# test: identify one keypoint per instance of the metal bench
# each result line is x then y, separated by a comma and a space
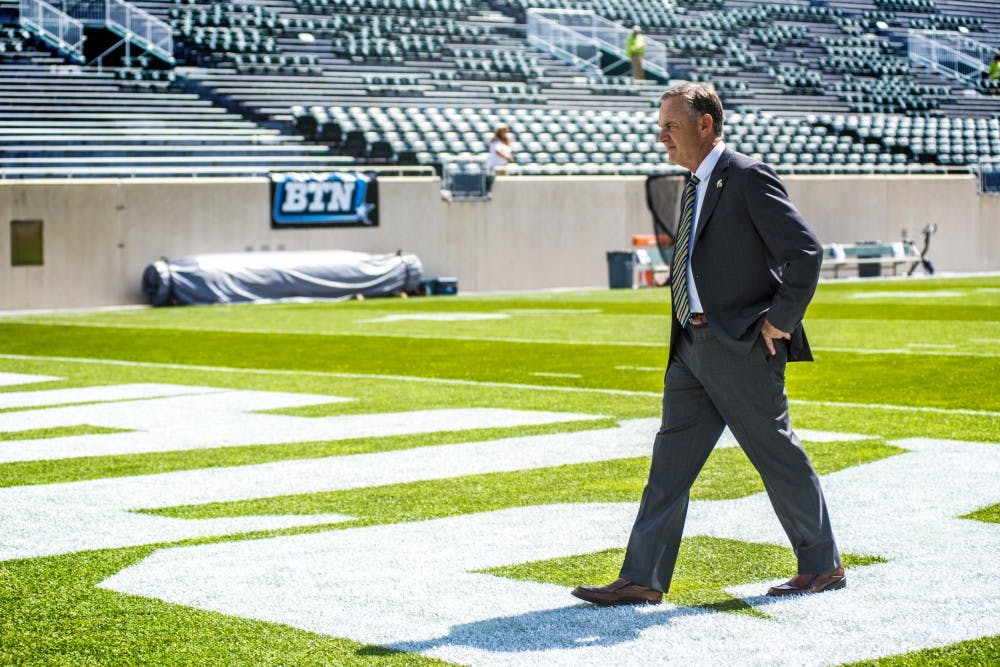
868, 257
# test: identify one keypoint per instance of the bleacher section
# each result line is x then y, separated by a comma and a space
311, 83
57, 120
562, 141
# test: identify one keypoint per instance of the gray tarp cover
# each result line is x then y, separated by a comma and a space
268, 276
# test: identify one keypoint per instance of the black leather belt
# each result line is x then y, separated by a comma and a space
698, 319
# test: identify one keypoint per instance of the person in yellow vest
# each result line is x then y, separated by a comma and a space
635, 48
994, 71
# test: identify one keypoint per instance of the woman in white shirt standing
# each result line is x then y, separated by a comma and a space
500, 154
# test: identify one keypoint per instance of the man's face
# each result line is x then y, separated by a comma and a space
680, 134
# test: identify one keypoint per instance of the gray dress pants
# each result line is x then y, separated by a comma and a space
707, 387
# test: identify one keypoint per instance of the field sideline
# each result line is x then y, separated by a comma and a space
420, 481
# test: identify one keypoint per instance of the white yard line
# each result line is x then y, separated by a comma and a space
910, 294
434, 317
18, 314
898, 408
367, 332
15, 379
352, 376
905, 351
474, 383
554, 311
932, 349
97, 394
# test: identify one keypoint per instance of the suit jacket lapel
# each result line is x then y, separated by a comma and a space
715, 185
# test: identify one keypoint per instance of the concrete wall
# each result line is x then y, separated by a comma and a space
535, 233
845, 209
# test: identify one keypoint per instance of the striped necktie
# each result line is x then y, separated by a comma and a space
678, 273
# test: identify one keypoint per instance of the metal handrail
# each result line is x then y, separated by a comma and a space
953, 55
150, 32
130, 22
578, 36
54, 26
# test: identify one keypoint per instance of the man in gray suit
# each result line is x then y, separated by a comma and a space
745, 267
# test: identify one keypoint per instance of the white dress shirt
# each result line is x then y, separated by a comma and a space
704, 174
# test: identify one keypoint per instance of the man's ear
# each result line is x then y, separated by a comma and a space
706, 123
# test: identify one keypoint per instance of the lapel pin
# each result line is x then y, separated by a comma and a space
718, 183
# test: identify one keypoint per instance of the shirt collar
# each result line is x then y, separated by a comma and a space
707, 165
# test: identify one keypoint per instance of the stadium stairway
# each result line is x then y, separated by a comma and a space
343, 82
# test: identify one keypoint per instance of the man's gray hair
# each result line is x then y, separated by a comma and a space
701, 99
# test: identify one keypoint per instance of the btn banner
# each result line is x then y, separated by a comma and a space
339, 199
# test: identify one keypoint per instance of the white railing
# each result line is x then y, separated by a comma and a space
149, 32
54, 26
579, 36
949, 53
135, 25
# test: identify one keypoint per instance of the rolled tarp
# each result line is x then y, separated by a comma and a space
275, 276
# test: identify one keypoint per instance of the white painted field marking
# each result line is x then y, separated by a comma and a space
661, 344
326, 374
33, 313
474, 383
898, 408
14, 379
943, 346
431, 602
905, 351
203, 417
102, 394
910, 294
439, 317
649, 369
60, 518
347, 331
553, 311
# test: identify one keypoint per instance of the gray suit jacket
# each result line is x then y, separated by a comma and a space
753, 256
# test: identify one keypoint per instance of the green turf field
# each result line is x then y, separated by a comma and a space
895, 360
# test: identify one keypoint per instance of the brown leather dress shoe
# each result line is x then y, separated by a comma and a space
810, 583
618, 592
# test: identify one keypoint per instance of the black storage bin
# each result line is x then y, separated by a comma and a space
869, 269
620, 268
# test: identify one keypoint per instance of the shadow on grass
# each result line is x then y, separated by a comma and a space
566, 627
